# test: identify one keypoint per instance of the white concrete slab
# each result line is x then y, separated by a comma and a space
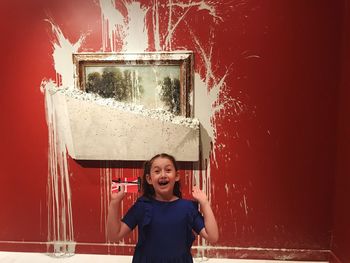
97, 132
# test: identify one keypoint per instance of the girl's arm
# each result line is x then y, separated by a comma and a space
210, 232
116, 229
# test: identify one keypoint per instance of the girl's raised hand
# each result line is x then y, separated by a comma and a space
118, 196
199, 196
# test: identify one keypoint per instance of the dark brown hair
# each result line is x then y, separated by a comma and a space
147, 189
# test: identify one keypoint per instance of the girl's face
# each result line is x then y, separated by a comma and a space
163, 177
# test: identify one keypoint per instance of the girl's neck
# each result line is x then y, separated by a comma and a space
165, 198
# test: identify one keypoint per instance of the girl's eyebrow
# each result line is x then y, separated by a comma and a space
158, 167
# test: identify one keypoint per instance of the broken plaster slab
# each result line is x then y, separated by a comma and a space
92, 131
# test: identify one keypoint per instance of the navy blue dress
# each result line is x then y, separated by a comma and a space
165, 229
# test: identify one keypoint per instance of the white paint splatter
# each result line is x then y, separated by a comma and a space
171, 29
245, 205
207, 94
113, 24
201, 5
226, 189
136, 26
62, 56
155, 20
204, 101
127, 33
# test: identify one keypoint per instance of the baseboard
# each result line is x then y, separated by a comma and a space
198, 251
333, 258
263, 253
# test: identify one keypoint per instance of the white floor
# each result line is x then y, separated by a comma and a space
21, 257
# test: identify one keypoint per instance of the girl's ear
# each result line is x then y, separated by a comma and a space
148, 179
177, 176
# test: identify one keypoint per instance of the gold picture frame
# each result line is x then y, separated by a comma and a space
152, 79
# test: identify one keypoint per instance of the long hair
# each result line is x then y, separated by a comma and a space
147, 189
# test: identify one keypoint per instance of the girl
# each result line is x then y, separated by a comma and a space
165, 221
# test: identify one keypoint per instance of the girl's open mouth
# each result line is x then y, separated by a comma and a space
163, 182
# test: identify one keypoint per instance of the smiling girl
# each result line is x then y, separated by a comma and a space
165, 221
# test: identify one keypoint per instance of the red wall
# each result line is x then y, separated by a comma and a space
276, 159
341, 229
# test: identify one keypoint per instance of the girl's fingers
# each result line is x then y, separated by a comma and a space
195, 189
118, 191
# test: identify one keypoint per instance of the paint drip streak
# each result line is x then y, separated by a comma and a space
105, 190
60, 217
155, 20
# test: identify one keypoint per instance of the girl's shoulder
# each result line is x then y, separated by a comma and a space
141, 204
188, 201
191, 205
142, 201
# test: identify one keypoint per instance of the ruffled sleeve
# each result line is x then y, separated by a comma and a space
132, 216
197, 218
146, 218
195, 222
140, 214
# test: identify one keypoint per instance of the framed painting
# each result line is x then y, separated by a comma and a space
156, 80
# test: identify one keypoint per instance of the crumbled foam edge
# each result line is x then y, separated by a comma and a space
160, 114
